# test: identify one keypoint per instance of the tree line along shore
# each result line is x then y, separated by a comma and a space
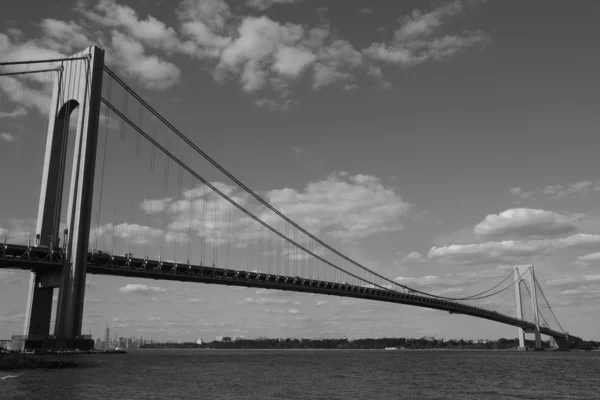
380, 343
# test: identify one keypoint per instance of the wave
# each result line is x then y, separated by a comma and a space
10, 376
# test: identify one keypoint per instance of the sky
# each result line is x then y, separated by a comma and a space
439, 143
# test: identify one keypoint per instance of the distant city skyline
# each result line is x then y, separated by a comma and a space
440, 144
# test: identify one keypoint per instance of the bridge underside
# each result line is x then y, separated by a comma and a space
41, 259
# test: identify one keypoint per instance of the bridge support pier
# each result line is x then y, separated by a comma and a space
79, 84
561, 344
523, 275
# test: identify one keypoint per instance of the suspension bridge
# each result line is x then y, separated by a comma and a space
145, 201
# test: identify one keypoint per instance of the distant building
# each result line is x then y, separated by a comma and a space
199, 342
224, 339
107, 338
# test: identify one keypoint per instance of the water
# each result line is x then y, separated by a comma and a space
314, 374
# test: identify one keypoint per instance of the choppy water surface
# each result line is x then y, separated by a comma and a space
315, 374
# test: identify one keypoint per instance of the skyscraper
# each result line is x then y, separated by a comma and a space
106, 338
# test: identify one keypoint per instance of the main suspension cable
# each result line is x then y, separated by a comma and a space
268, 205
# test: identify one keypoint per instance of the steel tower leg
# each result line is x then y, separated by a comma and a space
71, 298
39, 301
79, 85
520, 331
536, 311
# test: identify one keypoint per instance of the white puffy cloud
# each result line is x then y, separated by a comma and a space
508, 251
259, 52
414, 42
414, 256
347, 208
264, 46
489, 252
139, 288
150, 31
525, 223
124, 50
335, 61
64, 37
150, 71
132, 233
14, 48
206, 22
321, 303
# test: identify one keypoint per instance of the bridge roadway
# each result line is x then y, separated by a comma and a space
44, 259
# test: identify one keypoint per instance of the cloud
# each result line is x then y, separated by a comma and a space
525, 223
576, 290
346, 208
321, 303
125, 50
266, 300
414, 42
508, 251
150, 71
64, 37
90, 284
414, 256
18, 112
150, 31
135, 233
193, 300
442, 286
299, 151
260, 53
589, 259
334, 62
139, 288
274, 105
558, 192
264, 47
364, 11
18, 230
206, 24
7, 137
264, 4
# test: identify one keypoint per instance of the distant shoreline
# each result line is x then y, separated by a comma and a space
349, 349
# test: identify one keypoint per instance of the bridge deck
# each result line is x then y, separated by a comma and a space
43, 259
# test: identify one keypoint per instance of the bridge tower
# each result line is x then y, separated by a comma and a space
526, 275
78, 84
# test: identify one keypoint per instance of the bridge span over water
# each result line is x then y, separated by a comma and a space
39, 259
183, 209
